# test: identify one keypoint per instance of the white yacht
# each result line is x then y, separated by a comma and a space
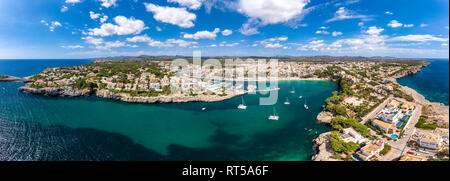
306, 106
287, 101
274, 116
242, 106
204, 109
292, 91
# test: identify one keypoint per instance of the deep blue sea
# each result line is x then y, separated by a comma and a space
36, 127
432, 82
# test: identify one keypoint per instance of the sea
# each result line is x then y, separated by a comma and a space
432, 82
40, 128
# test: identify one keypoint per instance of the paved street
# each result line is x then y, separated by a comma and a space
399, 147
374, 112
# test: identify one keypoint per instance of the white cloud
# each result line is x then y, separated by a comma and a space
388, 13
154, 43
125, 26
181, 43
373, 30
143, 38
418, 38
92, 40
203, 35
323, 27
423, 25
64, 9
104, 19
93, 15
191, 4
175, 16
72, 46
446, 27
225, 44
275, 45
250, 27
73, 1
227, 32
336, 33
444, 44
213, 45
394, 24
52, 25
343, 14
408, 25
264, 12
108, 3
272, 11
322, 32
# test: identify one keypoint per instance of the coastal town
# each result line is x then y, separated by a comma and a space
373, 117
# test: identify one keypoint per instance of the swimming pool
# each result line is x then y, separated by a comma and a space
394, 136
410, 112
399, 123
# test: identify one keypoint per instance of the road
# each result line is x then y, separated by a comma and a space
374, 112
399, 147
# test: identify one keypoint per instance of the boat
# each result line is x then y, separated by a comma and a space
274, 117
203, 109
287, 101
305, 105
300, 97
292, 91
242, 106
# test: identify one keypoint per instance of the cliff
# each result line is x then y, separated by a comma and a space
60, 91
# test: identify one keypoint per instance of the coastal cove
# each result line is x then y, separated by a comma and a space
92, 128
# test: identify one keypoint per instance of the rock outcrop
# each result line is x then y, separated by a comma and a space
324, 117
323, 146
60, 91
163, 98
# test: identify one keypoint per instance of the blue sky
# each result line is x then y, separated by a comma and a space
99, 28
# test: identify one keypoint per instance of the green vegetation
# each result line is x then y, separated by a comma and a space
386, 149
3, 76
400, 94
340, 123
339, 145
422, 123
34, 86
372, 83
81, 84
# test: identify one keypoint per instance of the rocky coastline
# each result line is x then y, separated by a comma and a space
15, 79
60, 91
162, 99
324, 152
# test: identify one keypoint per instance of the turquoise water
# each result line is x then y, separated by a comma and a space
48, 128
394, 136
432, 82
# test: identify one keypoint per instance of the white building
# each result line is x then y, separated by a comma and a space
351, 135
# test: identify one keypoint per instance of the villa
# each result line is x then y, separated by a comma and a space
351, 135
370, 150
383, 126
428, 139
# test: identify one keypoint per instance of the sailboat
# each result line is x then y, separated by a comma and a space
292, 91
204, 109
274, 117
306, 106
287, 101
300, 97
242, 106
